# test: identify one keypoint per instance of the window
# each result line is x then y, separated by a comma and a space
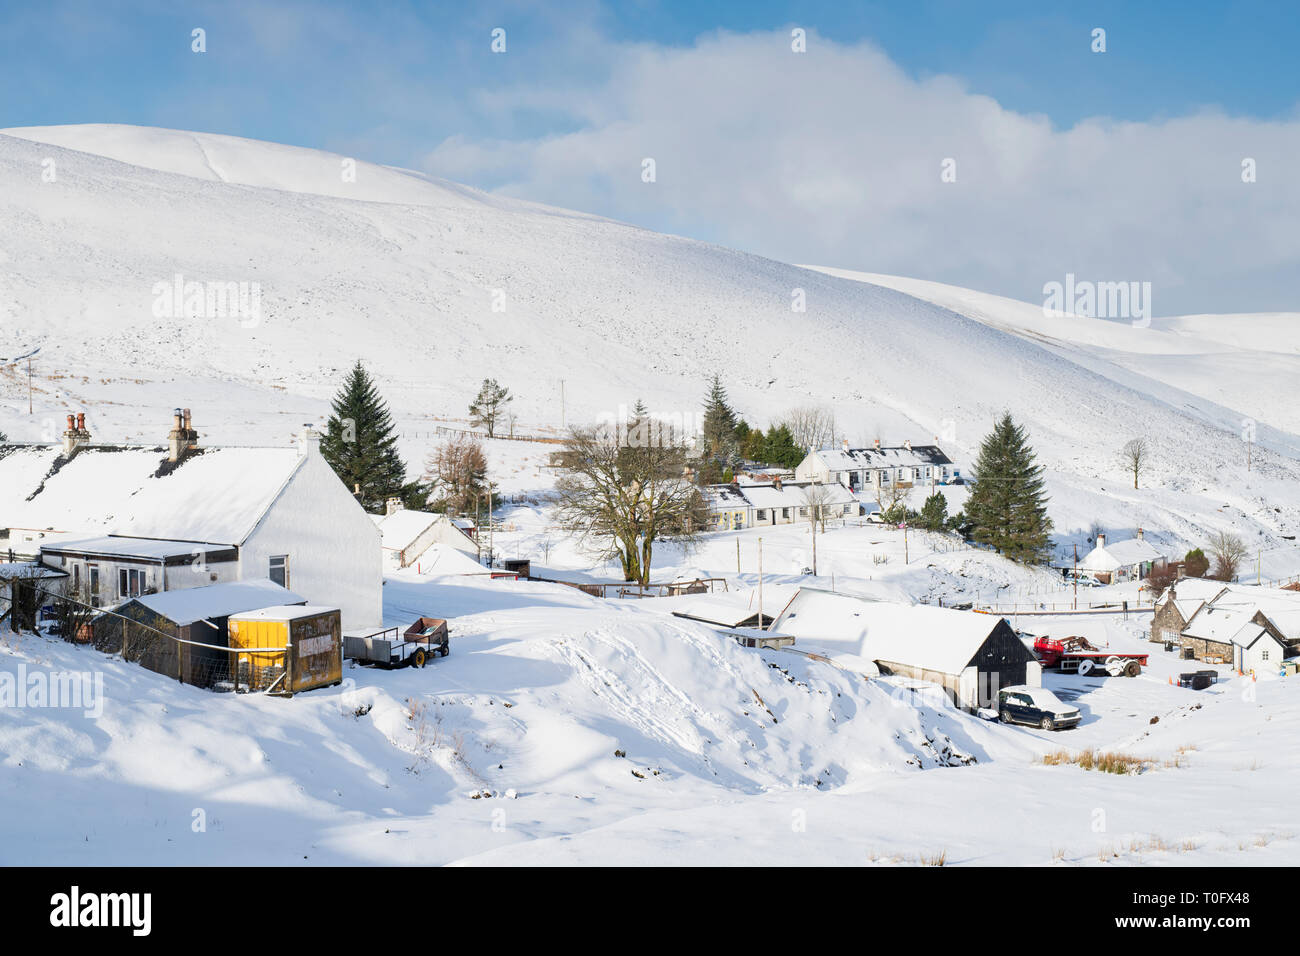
131, 582
279, 570
785, 512
762, 514
803, 512
92, 572
1263, 655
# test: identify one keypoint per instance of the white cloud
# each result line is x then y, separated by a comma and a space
834, 156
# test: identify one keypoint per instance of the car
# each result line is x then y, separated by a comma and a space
1035, 705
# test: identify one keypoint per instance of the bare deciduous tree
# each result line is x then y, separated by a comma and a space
624, 498
811, 426
891, 496
819, 498
457, 473
1228, 551
1135, 455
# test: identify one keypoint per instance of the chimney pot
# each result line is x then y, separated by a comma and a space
876, 443
1139, 534
81, 421
72, 425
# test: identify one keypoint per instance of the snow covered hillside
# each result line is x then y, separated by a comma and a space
436, 286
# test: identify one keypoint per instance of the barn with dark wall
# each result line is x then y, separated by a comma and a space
970, 655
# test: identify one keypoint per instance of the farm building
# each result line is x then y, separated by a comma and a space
311, 638
1177, 604
1220, 625
867, 469
969, 655
282, 511
406, 535
199, 615
1128, 560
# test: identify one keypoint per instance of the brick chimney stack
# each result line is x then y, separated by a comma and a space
1139, 534
76, 435
182, 438
875, 443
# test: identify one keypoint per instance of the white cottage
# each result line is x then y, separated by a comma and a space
182, 515
1129, 560
868, 469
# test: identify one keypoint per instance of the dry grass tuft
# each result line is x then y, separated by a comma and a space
1104, 760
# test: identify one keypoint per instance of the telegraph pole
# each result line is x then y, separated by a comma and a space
1076, 576
760, 584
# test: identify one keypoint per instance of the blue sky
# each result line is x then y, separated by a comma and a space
416, 84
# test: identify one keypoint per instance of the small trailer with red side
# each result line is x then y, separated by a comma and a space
1078, 655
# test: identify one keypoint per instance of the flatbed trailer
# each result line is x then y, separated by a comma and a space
415, 646
1077, 655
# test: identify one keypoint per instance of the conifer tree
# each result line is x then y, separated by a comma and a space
360, 445
934, 513
719, 425
489, 406
1008, 507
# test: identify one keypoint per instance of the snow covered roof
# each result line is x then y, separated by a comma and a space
401, 528
214, 495
125, 547
853, 459
917, 635
796, 494
726, 496
1218, 623
284, 612
1119, 554
28, 569
1281, 607
729, 610
188, 605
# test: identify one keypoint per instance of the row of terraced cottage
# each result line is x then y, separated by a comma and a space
202, 543
1248, 627
834, 482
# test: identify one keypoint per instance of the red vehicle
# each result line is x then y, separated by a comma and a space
1078, 654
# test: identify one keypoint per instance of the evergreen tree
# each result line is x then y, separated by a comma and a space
934, 513
1008, 507
489, 406
780, 448
719, 425
1196, 564
360, 445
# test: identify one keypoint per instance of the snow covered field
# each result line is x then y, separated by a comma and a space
565, 729
568, 729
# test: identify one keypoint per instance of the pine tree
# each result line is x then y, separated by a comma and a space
934, 513
1008, 507
780, 448
489, 405
360, 445
719, 425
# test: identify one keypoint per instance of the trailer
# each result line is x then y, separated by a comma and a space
415, 646
1079, 655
